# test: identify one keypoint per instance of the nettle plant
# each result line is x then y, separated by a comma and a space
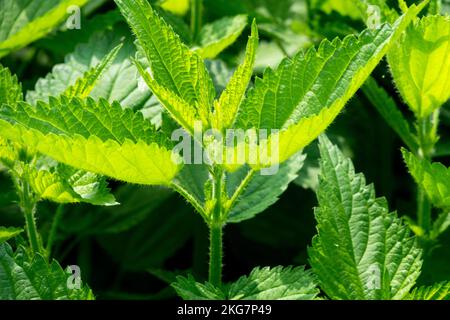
63, 146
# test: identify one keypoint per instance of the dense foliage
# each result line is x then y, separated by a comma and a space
210, 149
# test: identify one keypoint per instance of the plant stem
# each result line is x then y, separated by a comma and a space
196, 17
427, 134
28, 207
216, 232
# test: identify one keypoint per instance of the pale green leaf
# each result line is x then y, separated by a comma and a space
9, 233
26, 278
433, 178
219, 35
440, 225
64, 184
438, 291
24, 21
174, 66
10, 88
305, 94
179, 7
361, 251
279, 283
118, 83
225, 109
388, 109
420, 64
93, 136
189, 289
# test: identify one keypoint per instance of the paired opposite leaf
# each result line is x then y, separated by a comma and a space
420, 64
189, 289
175, 68
305, 94
24, 21
361, 251
93, 136
433, 178
25, 278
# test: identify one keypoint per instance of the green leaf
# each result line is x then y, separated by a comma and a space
93, 136
84, 85
433, 178
189, 289
63, 184
118, 83
225, 109
174, 66
388, 109
261, 191
420, 64
361, 251
179, 7
219, 35
24, 21
9, 233
440, 225
25, 278
10, 88
279, 283
438, 291
305, 94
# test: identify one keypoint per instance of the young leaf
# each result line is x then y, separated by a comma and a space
118, 83
24, 21
305, 94
420, 64
361, 251
64, 184
179, 7
277, 283
84, 85
10, 88
173, 65
438, 291
433, 178
388, 109
93, 136
189, 289
217, 36
225, 109
25, 278
8, 233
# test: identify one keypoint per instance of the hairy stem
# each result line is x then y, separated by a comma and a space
196, 17
28, 207
427, 136
216, 232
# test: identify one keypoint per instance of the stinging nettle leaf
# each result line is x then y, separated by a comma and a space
24, 21
279, 283
219, 35
189, 289
93, 136
174, 66
361, 251
420, 64
25, 278
438, 291
433, 178
305, 94
10, 88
